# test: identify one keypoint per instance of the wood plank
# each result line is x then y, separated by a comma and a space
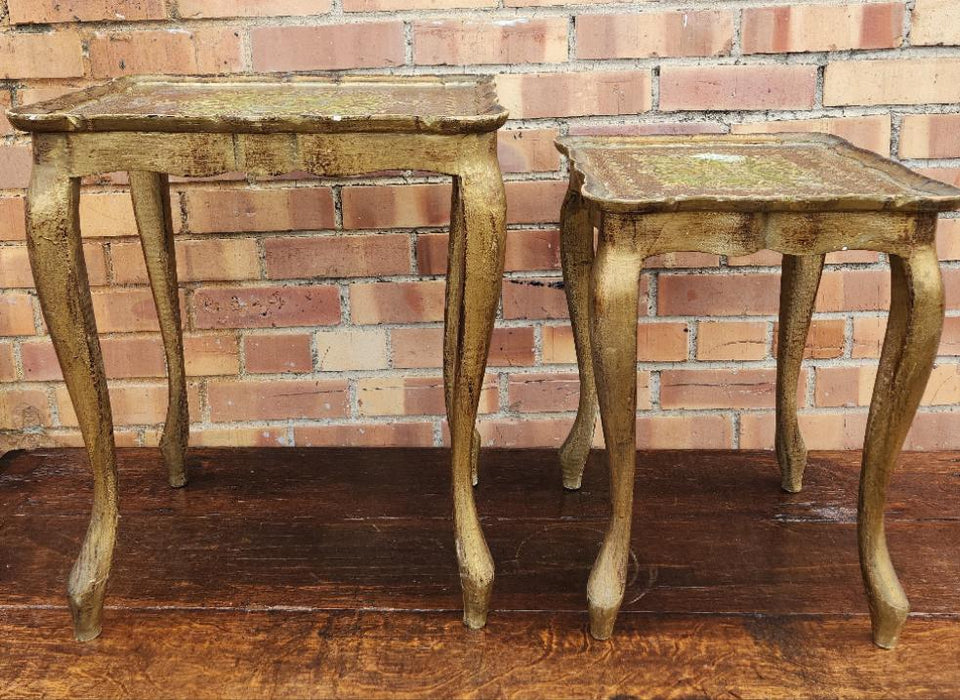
339, 483
350, 654
247, 533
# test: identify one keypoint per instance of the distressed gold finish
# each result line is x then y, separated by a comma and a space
801, 195
153, 127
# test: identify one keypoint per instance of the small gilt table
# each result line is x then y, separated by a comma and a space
800, 195
156, 126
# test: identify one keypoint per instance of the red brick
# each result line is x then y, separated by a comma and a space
396, 302
534, 201
892, 81
462, 42
731, 340
871, 132
406, 396
332, 47
396, 206
930, 136
825, 339
5, 126
552, 393
8, 366
217, 259
106, 215
656, 342
534, 95
948, 239
14, 267
16, 314
266, 307
934, 431
352, 349
534, 298
718, 295
423, 347
127, 357
40, 55
737, 87
854, 290
13, 226
39, 12
246, 210
935, 22
658, 127
717, 388
136, 404
279, 399
394, 5
696, 432
523, 432
526, 250
176, 51
527, 150
365, 435
821, 431
641, 35
239, 437
15, 164
844, 386
23, 408
337, 256
196, 9
822, 27
274, 354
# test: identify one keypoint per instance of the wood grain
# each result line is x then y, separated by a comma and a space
330, 573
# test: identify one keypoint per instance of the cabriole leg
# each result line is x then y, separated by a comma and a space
909, 349
453, 308
484, 218
616, 279
56, 256
798, 293
151, 205
576, 255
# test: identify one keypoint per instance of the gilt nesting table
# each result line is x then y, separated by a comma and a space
800, 195
153, 127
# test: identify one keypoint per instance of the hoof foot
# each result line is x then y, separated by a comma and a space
87, 610
476, 603
602, 621
887, 624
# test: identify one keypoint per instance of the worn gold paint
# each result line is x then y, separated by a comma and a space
832, 197
153, 127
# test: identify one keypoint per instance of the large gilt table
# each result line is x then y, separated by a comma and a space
153, 127
800, 195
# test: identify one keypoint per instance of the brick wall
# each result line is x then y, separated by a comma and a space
313, 307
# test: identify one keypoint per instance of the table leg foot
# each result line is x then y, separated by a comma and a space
798, 293
576, 255
151, 205
60, 274
909, 349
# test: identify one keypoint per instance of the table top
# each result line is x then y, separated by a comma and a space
776, 172
273, 104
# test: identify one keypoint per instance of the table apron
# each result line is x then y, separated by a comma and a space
210, 154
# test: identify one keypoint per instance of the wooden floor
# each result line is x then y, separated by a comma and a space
331, 573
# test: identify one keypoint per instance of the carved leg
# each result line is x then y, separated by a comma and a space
798, 292
151, 206
453, 308
616, 279
484, 212
56, 256
909, 348
576, 254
